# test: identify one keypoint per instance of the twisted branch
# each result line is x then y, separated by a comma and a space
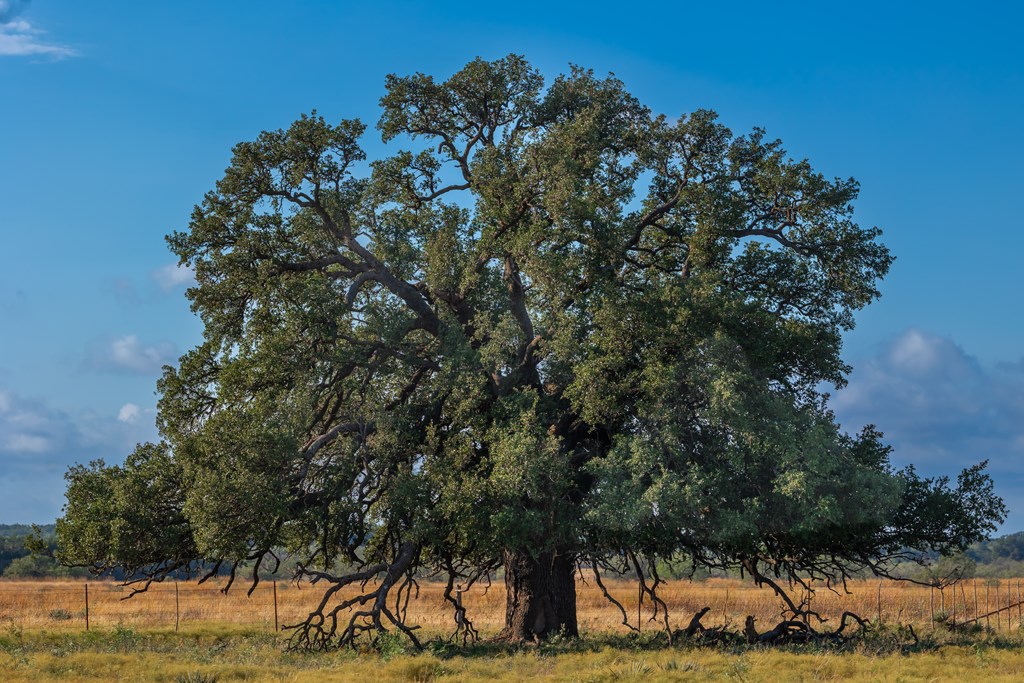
320, 630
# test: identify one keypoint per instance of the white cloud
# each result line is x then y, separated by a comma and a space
21, 39
915, 351
925, 388
129, 413
38, 443
18, 38
27, 443
127, 354
941, 410
172, 276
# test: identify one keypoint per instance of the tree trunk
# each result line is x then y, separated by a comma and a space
540, 598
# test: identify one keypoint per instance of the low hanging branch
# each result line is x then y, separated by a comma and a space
327, 627
464, 628
796, 611
651, 591
595, 565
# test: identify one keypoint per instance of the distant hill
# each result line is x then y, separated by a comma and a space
1009, 547
15, 530
1001, 557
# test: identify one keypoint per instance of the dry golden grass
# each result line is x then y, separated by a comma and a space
229, 637
61, 604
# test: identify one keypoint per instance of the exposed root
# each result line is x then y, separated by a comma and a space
340, 626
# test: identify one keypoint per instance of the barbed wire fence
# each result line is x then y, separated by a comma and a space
996, 604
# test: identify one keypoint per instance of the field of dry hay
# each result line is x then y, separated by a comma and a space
61, 604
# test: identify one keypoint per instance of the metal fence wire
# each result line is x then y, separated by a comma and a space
994, 603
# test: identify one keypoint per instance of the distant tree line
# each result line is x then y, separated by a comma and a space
996, 558
1001, 557
27, 552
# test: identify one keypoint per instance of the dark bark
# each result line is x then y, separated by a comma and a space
540, 596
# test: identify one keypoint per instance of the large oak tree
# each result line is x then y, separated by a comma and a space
552, 331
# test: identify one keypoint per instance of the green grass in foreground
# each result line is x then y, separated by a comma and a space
223, 654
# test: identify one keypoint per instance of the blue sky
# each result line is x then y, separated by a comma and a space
117, 116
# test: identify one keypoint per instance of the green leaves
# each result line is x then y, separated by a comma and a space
558, 323
127, 517
475, 102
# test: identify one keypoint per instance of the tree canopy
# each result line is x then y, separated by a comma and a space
551, 331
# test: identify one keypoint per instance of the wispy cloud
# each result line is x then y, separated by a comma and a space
29, 428
123, 290
18, 38
128, 354
172, 276
39, 442
27, 443
11, 9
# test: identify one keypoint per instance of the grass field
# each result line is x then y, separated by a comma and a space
61, 604
201, 655
230, 637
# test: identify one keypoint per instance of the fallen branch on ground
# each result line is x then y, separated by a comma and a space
785, 632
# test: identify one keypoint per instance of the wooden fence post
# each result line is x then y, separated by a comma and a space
931, 603
963, 596
86, 606
976, 613
177, 607
275, 606
988, 609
